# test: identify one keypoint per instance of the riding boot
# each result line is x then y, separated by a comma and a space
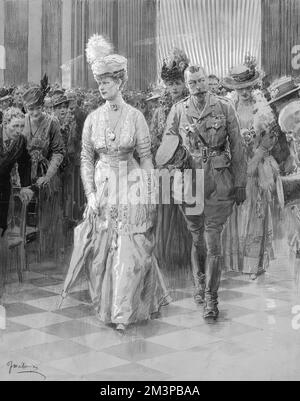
198, 268
213, 278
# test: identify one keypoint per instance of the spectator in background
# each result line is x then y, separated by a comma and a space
77, 111
152, 103
242, 80
5, 101
213, 84
283, 92
12, 150
172, 75
173, 243
18, 97
264, 190
60, 104
46, 148
68, 131
48, 105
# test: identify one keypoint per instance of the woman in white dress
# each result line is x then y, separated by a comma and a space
243, 79
116, 238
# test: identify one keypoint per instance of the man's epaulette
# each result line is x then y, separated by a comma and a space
225, 99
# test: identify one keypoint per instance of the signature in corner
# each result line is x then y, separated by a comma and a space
21, 368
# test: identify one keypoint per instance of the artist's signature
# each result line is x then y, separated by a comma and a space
23, 368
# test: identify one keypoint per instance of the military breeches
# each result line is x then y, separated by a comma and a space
195, 226
219, 200
218, 203
216, 215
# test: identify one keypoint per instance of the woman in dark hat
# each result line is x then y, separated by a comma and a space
60, 104
172, 238
46, 148
172, 75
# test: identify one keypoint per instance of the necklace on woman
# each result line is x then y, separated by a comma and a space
111, 132
114, 107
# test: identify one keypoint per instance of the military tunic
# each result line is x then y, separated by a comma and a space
224, 170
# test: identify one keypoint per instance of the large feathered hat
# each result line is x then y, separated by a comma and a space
99, 54
35, 96
174, 66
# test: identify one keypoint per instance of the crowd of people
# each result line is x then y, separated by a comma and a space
59, 147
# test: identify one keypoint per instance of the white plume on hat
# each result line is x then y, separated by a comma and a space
97, 48
99, 53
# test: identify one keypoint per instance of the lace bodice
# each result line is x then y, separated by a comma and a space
97, 138
245, 114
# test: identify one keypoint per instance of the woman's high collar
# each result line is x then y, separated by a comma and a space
116, 103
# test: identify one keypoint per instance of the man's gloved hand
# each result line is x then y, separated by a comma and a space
240, 195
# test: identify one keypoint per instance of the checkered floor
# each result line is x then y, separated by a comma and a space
252, 340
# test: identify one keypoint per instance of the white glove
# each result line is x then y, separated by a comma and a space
42, 181
26, 194
92, 203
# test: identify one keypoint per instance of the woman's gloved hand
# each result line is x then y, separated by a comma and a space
92, 203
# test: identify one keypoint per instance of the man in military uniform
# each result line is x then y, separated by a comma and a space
209, 129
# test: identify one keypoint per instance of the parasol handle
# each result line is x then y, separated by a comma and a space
63, 296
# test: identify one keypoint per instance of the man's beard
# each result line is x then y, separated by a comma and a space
200, 96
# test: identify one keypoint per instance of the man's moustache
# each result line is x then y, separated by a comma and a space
200, 92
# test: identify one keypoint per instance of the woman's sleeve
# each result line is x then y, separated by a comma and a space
154, 130
87, 159
56, 148
24, 166
143, 140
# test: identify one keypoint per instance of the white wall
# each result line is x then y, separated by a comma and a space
214, 33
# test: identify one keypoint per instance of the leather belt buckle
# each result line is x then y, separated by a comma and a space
204, 154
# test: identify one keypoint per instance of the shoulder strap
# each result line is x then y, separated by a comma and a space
197, 132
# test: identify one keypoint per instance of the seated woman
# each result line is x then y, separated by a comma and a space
116, 239
264, 189
12, 150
